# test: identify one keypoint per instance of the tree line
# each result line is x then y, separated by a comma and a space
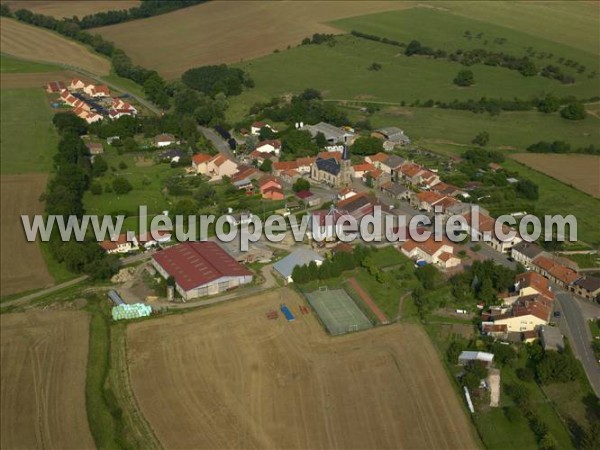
561, 147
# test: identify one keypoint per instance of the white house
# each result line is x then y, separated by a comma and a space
269, 146
164, 140
120, 244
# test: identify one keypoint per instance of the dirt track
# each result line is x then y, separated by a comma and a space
226, 377
21, 264
43, 356
230, 31
29, 42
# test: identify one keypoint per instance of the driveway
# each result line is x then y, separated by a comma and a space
574, 324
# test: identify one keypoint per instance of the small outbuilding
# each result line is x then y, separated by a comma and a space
300, 257
552, 338
467, 357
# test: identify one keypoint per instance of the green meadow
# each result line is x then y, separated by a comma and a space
8, 64
28, 139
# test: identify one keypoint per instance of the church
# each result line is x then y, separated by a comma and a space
333, 168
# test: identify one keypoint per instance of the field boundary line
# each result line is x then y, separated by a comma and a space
368, 301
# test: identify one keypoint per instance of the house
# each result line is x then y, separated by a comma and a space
164, 140
200, 269
495, 331
332, 168
54, 87
68, 98
360, 170
392, 165
97, 91
309, 198
376, 178
281, 166
346, 193
377, 159
342, 247
557, 273
200, 163
333, 134
426, 200
587, 287
77, 84
305, 164
446, 189
395, 190
300, 257
482, 228
270, 146
93, 117
531, 283
410, 173
271, 188
428, 179
525, 252
527, 313
257, 126
290, 176
154, 238
393, 135
439, 253
552, 338
119, 244
220, 166
95, 148
324, 224
467, 357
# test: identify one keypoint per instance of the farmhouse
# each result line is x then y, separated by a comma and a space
333, 134
200, 269
467, 357
587, 287
119, 244
393, 135
300, 257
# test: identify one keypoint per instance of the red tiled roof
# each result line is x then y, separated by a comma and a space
430, 246
411, 170
492, 328
563, 274
194, 264
200, 158
285, 165
112, 245
276, 143
486, 223
536, 281
364, 167
330, 155
379, 157
304, 194
544, 263
429, 197
306, 161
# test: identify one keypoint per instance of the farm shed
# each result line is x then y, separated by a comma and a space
300, 257
467, 357
200, 269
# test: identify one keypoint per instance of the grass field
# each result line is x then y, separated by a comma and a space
23, 267
227, 377
14, 65
36, 44
63, 8
43, 356
579, 171
195, 36
28, 139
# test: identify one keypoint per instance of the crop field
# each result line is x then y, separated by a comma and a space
196, 36
33, 43
23, 267
64, 8
579, 171
227, 377
43, 357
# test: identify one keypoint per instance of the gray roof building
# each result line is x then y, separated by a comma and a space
300, 257
528, 249
552, 338
394, 134
394, 161
332, 133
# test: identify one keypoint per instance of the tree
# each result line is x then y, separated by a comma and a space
454, 350
266, 166
96, 187
121, 186
321, 140
130, 145
99, 166
298, 143
464, 78
375, 67
481, 139
69, 122
527, 189
429, 277
185, 207
549, 104
574, 111
367, 145
301, 184
414, 47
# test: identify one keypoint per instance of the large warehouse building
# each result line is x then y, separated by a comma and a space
200, 269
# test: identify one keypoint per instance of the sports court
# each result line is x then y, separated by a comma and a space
337, 311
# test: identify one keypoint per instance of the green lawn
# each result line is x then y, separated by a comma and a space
8, 64
585, 261
28, 139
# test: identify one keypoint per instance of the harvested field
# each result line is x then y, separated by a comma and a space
196, 36
22, 266
36, 80
43, 357
65, 8
227, 377
29, 42
580, 171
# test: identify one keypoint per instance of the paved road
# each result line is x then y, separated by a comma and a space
220, 144
574, 325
